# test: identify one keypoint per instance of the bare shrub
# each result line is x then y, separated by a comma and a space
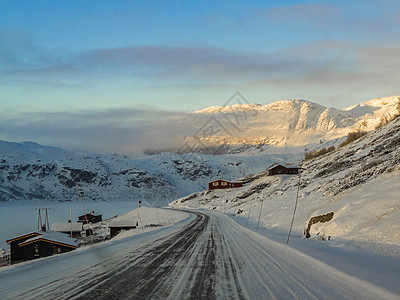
313, 154
352, 136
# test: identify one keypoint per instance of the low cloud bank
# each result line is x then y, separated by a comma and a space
122, 131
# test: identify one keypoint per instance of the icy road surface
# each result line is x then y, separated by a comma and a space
206, 257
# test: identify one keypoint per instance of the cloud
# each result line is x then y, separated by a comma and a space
126, 131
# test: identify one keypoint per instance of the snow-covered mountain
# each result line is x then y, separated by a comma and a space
259, 135
268, 128
358, 183
32, 172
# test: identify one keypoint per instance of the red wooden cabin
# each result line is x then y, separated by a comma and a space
223, 184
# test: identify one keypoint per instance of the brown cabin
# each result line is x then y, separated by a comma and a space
223, 184
90, 217
39, 244
279, 169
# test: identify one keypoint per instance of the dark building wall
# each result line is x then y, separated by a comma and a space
91, 218
278, 170
17, 253
223, 184
43, 249
219, 184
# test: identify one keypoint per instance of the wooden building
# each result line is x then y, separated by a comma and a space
279, 169
223, 184
117, 226
39, 244
90, 217
75, 228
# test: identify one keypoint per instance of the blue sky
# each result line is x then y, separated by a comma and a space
83, 57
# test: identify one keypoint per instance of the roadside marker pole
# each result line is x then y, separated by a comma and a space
166, 200
248, 216
158, 218
294, 212
259, 216
70, 218
139, 215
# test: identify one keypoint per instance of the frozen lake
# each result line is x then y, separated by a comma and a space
20, 218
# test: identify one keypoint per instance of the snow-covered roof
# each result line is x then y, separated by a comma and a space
64, 227
52, 237
219, 179
123, 223
287, 166
25, 235
90, 214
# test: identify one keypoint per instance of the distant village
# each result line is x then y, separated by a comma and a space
61, 238
66, 237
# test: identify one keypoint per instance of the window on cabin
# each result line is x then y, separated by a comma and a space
224, 183
215, 183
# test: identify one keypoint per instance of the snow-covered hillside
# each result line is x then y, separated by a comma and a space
358, 183
258, 135
32, 172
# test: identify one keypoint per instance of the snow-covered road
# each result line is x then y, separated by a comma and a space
207, 256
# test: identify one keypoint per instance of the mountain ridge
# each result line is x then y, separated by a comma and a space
32, 171
285, 123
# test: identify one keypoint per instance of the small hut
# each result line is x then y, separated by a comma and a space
117, 226
279, 169
223, 184
90, 217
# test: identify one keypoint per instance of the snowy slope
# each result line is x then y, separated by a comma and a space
259, 135
32, 172
358, 183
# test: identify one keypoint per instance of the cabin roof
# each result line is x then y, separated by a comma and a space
90, 214
286, 167
52, 237
63, 227
219, 179
128, 223
25, 235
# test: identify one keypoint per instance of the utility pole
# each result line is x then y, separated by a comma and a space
139, 215
46, 225
70, 218
84, 211
259, 216
295, 207
248, 216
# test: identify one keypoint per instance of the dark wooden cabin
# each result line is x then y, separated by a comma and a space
90, 217
117, 226
39, 244
279, 169
17, 253
223, 184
